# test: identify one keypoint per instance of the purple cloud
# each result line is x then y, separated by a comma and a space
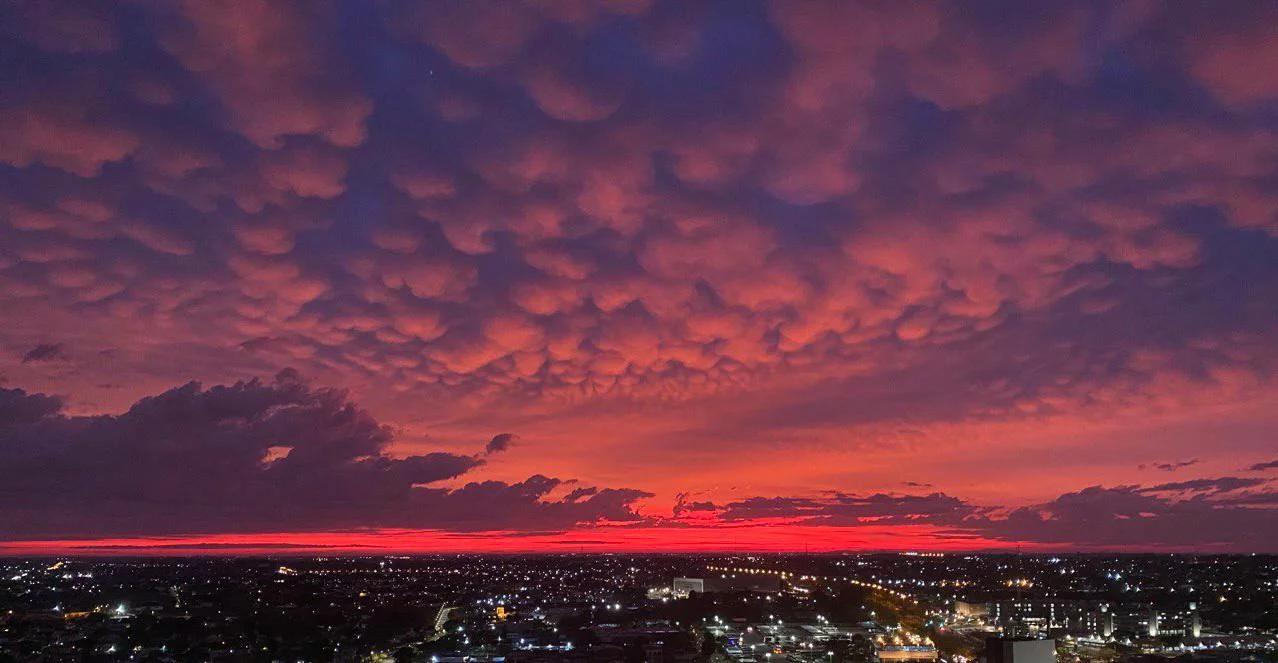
44, 352
499, 443
1172, 466
1131, 516
1261, 467
250, 457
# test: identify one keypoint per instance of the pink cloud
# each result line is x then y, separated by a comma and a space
271, 67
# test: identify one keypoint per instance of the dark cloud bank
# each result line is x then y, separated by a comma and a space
250, 457
285, 456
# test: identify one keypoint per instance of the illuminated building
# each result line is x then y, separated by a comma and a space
764, 583
1183, 622
1090, 618
970, 610
685, 586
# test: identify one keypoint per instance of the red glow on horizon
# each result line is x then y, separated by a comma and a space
599, 540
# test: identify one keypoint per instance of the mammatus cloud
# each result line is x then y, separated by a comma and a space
606, 248
251, 457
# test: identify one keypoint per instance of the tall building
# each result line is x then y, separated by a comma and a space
1105, 621
1184, 622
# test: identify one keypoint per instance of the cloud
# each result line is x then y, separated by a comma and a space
250, 457
43, 135
44, 352
499, 443
64, 26
17, 407
1233, 38
1131, 516
851, 510
1225, 513
272, 66
283, 456
1261, 467
646, 280
1172, 466
1217, 485
684, 504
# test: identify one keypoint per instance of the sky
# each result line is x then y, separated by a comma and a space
546, 275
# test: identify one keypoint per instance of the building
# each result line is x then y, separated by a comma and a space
1080, 618
685, 586
1019, 650
966, 610
765, 583
1089, 619
1184, 622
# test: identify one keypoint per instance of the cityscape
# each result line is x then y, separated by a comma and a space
619, 608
